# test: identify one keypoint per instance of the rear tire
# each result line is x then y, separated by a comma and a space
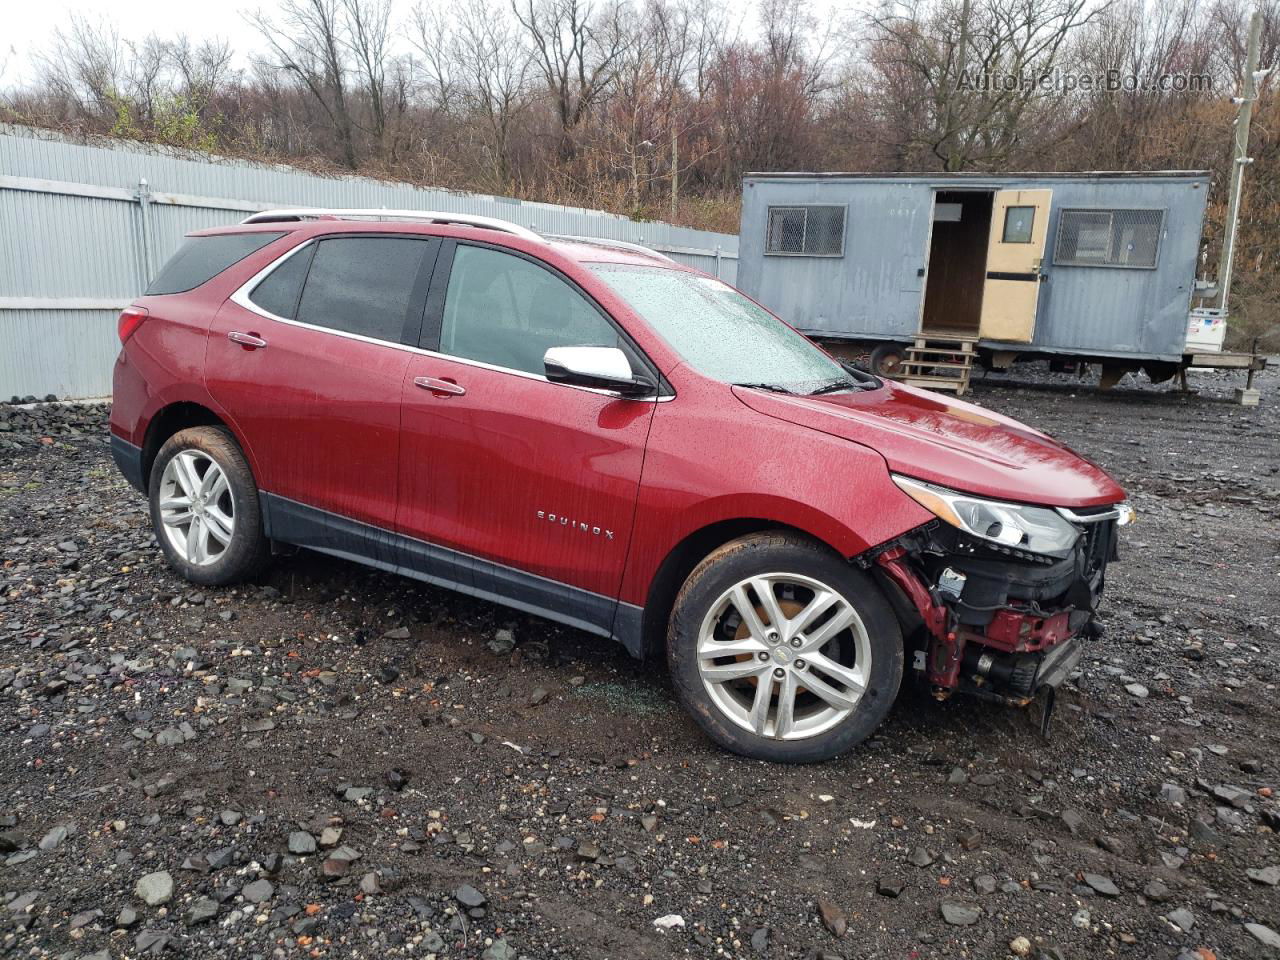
807, 672
205, 510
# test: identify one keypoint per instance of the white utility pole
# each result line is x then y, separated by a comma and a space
1239, 158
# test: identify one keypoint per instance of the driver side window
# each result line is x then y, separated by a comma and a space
503, 310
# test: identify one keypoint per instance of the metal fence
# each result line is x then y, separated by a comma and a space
84, 227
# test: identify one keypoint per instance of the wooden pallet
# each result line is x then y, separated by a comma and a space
939, 361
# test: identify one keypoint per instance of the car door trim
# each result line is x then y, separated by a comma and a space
293, 522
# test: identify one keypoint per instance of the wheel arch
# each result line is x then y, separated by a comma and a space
180, 415
680, 561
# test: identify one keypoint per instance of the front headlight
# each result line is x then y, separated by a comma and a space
1035, 529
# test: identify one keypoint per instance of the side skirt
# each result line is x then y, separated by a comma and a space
296, 523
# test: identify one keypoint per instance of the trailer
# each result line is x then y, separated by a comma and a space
933, 274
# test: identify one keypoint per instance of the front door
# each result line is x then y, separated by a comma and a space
308, 361
1015, 254
517, 487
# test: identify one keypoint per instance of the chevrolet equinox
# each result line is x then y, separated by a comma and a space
588, 431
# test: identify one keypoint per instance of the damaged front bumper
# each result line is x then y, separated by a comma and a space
993, 620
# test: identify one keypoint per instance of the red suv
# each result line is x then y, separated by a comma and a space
588, 431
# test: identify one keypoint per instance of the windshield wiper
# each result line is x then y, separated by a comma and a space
771, 387
836, 385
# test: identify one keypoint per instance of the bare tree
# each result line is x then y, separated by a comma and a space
973, 72
367, 37
309, 42
577, 50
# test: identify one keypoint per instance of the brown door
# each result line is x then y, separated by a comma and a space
1015, 251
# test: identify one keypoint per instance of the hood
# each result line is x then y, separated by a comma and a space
949, 442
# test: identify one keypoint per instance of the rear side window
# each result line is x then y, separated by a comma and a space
201, 259
279, 291
362, 285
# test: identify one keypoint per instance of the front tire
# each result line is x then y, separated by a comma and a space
204, 508
782, 651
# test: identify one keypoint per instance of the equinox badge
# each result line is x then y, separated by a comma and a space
575, 524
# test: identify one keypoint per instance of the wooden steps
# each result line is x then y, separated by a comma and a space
939, 361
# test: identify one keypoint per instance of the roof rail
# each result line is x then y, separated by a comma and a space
619, 245
428, 216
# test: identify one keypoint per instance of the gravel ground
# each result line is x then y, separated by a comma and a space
335, 762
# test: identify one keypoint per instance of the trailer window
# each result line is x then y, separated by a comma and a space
809, 231
1109, 238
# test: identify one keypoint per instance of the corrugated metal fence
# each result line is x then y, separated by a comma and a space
83, 228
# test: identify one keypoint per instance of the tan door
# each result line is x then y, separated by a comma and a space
1019, 225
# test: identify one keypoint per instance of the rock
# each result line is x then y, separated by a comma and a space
1137, 690
499, 950
984, 883
1172, 793
126, 918
202, 910
1183, 919
1101, 884
396, 633
890, 888
588, 851
1020, 947
960, 914
259, 891
1073, 820
833, 917
369, 884
334, 868
330, 836
53, 839
397, 779
760, 940
957, 776
469, 896
1270, 876
389, 673
155, 888
920, 857
503, 642
1156, 890
1264, 935
1110, 844
301, 843
671, 921
539, 696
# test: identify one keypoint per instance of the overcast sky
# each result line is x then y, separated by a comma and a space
26, 27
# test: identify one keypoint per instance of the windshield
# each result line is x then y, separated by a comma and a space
722, 334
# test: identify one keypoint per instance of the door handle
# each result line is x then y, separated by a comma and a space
438, 386
250, 341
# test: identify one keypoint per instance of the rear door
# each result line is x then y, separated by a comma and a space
309, 358
528, 486
1015, 254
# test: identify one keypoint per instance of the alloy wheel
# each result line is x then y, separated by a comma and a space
784, 656
197, 508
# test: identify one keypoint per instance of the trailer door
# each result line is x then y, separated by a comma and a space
1015, 251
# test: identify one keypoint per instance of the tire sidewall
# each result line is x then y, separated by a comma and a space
757, 555
243, 556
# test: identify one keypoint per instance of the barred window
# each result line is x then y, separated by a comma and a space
1109, 238
805, 231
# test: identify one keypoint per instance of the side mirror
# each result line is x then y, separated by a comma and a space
600, 368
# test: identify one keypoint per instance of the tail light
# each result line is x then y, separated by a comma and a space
129, 322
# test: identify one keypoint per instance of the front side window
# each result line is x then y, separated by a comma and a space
1109, 238
201, 259
720, 333
506, 311
362, 285
812, 231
